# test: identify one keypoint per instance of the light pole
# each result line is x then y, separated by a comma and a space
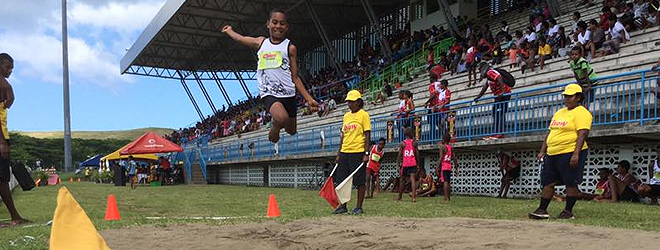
65, 84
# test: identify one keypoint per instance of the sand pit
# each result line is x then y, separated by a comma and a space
347, 232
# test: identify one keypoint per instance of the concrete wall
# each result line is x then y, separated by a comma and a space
478, 171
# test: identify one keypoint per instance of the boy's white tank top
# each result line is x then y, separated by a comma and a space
274, 70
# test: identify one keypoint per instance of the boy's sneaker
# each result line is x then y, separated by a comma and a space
539, 214
358, 210
566, 215
340, 210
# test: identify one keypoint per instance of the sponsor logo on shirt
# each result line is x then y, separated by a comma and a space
558, 123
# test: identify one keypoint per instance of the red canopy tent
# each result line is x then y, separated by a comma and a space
150, 143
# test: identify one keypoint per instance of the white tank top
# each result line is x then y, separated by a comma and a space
655, 179
274, 70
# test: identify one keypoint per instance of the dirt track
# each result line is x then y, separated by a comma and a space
347, 232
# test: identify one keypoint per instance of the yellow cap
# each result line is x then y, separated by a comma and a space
353, 95
572, 89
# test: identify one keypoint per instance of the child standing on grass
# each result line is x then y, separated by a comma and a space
443, 170
277, 73
408, 159
375, 156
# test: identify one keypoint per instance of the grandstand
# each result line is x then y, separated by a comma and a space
624, 111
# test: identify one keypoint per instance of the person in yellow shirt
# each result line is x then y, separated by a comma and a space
564, 152
354, 148
6, 100
545, 52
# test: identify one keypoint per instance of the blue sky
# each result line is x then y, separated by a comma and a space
100, 32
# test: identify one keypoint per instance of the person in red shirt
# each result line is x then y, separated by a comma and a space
455, 53
373, 169
510, 169
500, 90
437, 70
165, 164
439, 98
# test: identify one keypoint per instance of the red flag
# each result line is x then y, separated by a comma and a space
328, 193
328, 190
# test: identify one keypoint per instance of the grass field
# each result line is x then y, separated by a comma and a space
119, 134
251, 203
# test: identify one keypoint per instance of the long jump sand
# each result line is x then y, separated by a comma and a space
349, 232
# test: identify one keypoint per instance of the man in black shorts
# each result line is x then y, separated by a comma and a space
6, 100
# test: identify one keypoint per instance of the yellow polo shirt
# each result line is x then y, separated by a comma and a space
353, 131
3, 120
545, 50
563, 130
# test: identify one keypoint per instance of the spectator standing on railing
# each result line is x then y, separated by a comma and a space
440, 97
499, 86
277, 73
354, 148
584, 74
564, 152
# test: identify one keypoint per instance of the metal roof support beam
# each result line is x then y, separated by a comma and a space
449, 17
238, 76
324, 37
222, 89
373, 19
206, 94
192, 99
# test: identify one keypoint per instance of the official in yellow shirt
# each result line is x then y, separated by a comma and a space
354, 149
564, 152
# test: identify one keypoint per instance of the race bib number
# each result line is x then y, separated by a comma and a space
270, 60
375, 157
599, 191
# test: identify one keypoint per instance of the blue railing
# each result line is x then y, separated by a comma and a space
623, 98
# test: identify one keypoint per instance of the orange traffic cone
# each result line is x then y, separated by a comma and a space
78, 179
71, 179
38, 181
273, 211
111, 210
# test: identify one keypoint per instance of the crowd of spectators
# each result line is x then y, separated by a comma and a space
242, 117
543, 39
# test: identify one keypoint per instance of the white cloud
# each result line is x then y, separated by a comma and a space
120, 17
98, 33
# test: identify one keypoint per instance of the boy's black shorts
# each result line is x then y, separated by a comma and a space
289, 104
557, 169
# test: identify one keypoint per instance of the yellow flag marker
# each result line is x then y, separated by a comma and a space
72, 229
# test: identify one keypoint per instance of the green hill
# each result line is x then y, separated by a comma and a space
102, 135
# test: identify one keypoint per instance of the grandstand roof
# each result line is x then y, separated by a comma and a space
185, 34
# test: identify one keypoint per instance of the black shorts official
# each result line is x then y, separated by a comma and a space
557, 169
